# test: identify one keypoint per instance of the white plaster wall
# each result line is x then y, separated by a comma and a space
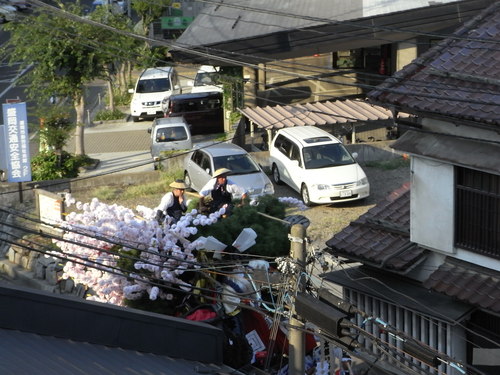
432, 211
406, 53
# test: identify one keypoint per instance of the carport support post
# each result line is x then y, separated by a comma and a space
296, 336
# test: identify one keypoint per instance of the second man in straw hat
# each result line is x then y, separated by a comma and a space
221, 189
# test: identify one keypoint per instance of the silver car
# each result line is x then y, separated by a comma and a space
168, 134
200, 164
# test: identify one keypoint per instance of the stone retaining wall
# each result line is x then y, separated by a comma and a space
39, 271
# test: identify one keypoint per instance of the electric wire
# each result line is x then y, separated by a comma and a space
424, 307
343, 22
388, 328
138, 277
252, 65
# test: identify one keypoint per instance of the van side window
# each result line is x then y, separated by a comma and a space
205, 164
283, 145
295, 153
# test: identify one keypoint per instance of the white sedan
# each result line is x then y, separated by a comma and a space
201, 163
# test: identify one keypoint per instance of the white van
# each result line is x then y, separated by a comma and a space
153, 85
206, 80
317, 165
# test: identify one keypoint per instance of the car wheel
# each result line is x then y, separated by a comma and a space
276, 175
187, 180
135, 118
304, 193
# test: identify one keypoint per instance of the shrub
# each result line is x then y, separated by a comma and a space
52, 165
106, 115
122, 98
55, 128
272, 236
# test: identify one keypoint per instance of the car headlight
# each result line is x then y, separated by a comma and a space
363, 181
269, 188
321, 186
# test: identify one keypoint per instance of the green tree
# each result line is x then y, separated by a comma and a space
149, 11
55, 129
118, 52
61, 55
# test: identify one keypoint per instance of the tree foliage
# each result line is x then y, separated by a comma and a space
272, 235
63, 55
52, 165
56, 127
150, 11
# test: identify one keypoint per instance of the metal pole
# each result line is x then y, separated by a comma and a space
20, 187
296, 337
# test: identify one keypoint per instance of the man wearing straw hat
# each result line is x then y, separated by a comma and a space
221, 189
173, 203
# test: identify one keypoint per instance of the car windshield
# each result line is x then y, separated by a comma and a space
328, 155
206, 79
153, 85
238, 164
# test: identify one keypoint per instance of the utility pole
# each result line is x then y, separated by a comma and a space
296, 336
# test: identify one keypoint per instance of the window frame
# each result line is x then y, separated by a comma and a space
477, 212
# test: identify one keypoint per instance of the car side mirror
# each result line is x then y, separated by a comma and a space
295, 162
130, 91
149, 130
355, 155
190, 83
208, 171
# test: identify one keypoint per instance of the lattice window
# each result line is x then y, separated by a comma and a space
477, 212
433, 332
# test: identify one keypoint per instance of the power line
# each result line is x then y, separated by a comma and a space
188, 48
321, 20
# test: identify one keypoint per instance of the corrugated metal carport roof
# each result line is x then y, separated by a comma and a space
319, 113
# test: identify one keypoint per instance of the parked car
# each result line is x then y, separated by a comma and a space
206, 79
317, 165
202, 111
200, 164
169, 134
152, 86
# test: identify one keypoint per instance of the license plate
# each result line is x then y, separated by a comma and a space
345, 193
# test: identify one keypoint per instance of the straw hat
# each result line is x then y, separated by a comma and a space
221, 171
178, 184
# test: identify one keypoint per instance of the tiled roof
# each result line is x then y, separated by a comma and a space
381, 237
29, 353
458, 78
467, 283
319, 113
258, 31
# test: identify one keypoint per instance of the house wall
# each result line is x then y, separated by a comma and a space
431, 207
432, 198
405, 53
430, 330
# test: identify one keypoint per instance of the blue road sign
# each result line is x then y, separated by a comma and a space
16, 141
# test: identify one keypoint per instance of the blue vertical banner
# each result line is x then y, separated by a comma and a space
16, 139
